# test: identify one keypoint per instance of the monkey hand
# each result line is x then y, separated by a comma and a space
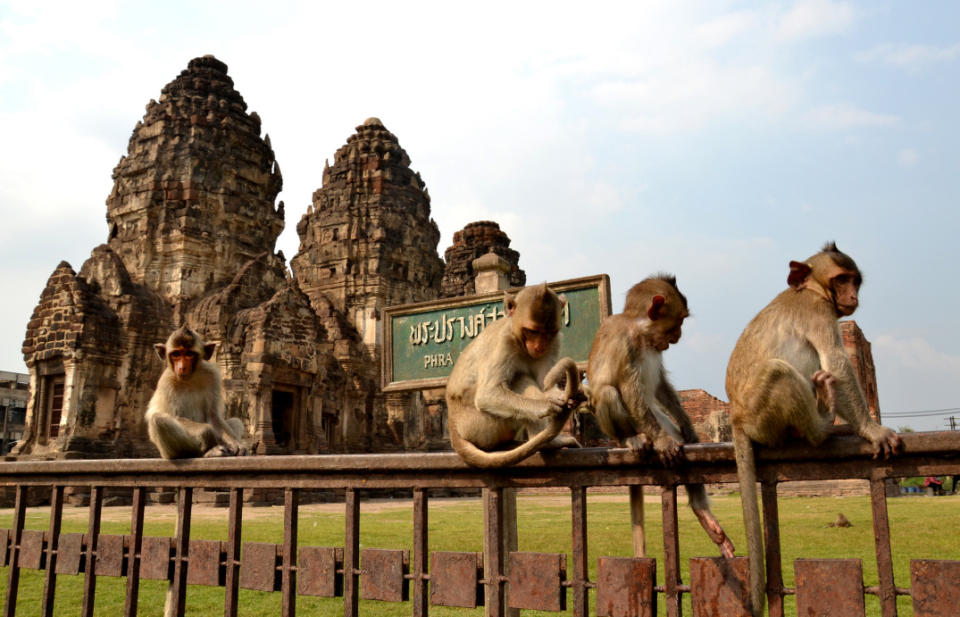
638, 443
668, 449
885, 442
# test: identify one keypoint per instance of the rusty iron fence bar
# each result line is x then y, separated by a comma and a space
93, 533
420, 554
94, 554
232, 560
133, 562
50, 577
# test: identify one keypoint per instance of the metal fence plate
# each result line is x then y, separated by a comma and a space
155, 558
536, 581
109, 561
936, 587
625, 587
453, 579
69, 553
258, 566
317, 572
204, 565
31, 549
829, 587
382, 575
718, 587
4, 541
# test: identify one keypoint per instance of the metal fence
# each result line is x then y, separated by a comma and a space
624, 586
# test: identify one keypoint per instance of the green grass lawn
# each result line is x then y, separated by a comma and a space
921, 527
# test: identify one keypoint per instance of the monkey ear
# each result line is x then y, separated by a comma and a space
799, 272
509, 302
161, 350
655, 311
563, 300
208, 350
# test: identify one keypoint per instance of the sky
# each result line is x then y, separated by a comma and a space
713, 140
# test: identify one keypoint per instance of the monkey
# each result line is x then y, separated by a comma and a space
632, 398
506, 382
185, 414
789, 375
841, 521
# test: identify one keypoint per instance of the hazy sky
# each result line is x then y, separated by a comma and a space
714, 140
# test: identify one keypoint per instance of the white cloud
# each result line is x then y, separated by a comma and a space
842, 116
910, 57
812, 18
907, 157
913, 376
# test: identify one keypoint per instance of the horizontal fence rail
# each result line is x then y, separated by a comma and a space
501, 582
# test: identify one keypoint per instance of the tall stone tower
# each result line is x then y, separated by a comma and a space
368, 241
471, 242
194, 196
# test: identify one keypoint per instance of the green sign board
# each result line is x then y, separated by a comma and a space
422, 341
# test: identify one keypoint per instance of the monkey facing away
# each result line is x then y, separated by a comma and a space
789, 374
185, 415
506, 382
631, 396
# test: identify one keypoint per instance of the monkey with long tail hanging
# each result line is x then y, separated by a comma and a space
789, 373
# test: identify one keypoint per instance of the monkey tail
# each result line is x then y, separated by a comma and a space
565, 367
747, 476
474, 456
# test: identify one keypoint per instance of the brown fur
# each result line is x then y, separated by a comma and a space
504, 385
185, 417
629, 390
790, 373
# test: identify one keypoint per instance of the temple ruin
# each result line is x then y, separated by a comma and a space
192, 229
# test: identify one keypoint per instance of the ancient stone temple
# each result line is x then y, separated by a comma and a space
368, 242
192, 230
471, 242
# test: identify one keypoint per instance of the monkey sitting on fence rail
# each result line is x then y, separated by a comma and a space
185, 414
507, 383
635, 402
789, 374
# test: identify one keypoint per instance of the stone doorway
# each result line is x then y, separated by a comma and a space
283, 411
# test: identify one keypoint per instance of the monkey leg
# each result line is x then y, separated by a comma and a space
781, 399
180, 437
614, 418
700, 505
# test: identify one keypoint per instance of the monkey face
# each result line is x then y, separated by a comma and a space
845, 288
662, 334
536, 342
182, 362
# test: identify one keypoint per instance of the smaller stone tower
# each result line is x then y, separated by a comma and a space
368, 241
471, 242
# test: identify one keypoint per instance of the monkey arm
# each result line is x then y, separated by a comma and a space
851, 403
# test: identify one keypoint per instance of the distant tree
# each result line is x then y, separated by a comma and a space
905, 429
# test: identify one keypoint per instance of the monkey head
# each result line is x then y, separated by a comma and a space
831, 274
658, 299
536, 313
183, 351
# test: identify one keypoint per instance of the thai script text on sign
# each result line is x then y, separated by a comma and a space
422, 341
